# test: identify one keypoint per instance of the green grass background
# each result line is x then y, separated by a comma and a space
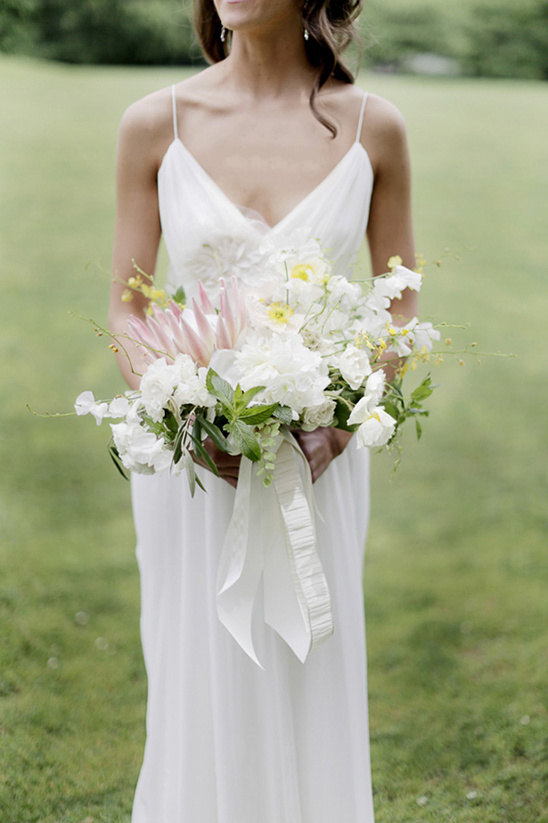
456, 576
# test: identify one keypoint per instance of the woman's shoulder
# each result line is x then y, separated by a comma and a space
146, 126
382, 120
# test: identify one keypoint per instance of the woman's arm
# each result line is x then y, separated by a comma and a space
142, 143
137, 227
389, 232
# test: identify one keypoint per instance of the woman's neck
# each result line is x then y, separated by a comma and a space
269, 64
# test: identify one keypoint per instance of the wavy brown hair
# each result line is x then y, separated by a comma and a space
331, 29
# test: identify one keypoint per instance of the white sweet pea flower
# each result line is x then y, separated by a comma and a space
386, 289
140, 450
374, 389
354, 365
422, 335
118, 407
377, 430
339, 287
157, 385
190, 383
376, 426
315, 416
86, 404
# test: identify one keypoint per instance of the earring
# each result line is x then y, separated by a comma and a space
223, 34
306, 34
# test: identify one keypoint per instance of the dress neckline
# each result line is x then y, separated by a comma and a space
216, 189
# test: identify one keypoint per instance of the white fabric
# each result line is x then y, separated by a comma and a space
271, 539
228, 742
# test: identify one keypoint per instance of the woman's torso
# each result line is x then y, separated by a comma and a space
203, 179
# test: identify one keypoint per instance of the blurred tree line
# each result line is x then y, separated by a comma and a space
496, 38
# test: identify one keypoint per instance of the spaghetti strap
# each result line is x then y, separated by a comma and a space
360, 121
175, 129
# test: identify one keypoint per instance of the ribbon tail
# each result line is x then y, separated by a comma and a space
297, 601
241, 564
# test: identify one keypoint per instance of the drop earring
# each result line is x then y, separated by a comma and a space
306, 34
223, 34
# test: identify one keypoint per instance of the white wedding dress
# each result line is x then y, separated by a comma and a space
226, 741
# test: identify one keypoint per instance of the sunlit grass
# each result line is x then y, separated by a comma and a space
456, 569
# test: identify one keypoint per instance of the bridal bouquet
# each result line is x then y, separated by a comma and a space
300, 348
245, 364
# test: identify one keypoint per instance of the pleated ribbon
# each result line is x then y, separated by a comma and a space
271, 536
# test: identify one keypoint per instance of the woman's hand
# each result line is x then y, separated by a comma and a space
227, 465
321, 446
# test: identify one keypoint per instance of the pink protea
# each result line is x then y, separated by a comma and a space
196, 331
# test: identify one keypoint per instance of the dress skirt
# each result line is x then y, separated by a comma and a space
226, 741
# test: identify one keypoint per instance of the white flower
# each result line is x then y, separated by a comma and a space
339, 287
86, 404
190, 384
374, 389
376, 426
386, 289
354, 366
315, 416
422, 335
291, 373
140, 450
157, 385
118, 407
376, 430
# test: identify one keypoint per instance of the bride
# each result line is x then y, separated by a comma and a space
272, 138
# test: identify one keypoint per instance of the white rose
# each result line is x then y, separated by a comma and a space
316, 416
354, 366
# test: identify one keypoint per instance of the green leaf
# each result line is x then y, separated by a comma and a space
113, 451
178, 445
191, 472
214, 433
283, 414
220, 389
202, 452
418, 428
180, 296
391, 409
256, 415
250, 393
423, 391
245, 440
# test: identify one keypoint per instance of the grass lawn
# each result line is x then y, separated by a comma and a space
456, 576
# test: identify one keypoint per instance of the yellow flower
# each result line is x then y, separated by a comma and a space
279, 312
302, 271
394, 262
448, 341
157, 294
420, 263
134, 282
127, 296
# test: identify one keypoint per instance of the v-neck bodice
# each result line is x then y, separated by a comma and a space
207, 235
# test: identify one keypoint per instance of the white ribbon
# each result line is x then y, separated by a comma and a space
271, 534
